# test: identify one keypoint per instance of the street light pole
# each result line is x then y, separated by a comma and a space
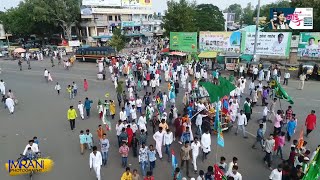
257, 30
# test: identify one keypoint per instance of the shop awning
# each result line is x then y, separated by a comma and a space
209, 54
178, 54
102, 37
134, 35
246, 57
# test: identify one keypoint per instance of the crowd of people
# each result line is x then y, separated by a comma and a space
148, 113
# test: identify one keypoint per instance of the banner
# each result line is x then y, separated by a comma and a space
101, 2
136, 3
183, 41
309, 44
268, 43
291, 18
219, 41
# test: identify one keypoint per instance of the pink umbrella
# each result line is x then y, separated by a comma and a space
19, 50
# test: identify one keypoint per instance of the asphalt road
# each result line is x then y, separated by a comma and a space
42, 113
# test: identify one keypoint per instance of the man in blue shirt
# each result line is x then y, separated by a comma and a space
87, 105
186, 136
152, 157
260, 137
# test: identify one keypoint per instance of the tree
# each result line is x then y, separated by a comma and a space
237, 9
209, 18
315, 4
179, 17
247, 16
118, 40
63, 13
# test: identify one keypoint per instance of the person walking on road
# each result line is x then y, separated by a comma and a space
57, 87
72, 115
95, 162
46, 74
87, 105
85, 85
143, 159
205, 144
52, 60
311, 122
104, 142
2, 87
158, 137
242, 122
124, 151
167, 141
10, 104
20, 64
195, 147
186, 155
302, 78
259, 138
269, 145
83, 140
80, 108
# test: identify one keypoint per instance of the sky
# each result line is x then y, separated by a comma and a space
160, 5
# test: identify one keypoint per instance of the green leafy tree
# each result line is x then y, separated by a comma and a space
180, 17
247, 17
209, 18
237, 9
62, 13
118, 40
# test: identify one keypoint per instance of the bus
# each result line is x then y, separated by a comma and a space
91, 54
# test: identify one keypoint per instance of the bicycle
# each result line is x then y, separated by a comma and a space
23, 157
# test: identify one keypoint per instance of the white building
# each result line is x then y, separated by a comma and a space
98, 23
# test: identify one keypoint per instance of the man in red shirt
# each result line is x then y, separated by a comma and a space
311, 122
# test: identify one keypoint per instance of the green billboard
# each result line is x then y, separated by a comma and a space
183, 41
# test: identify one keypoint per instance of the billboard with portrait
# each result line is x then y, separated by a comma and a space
136, 3
309, 44
268, 43
184, 41
291, 18
101, 2
219, 41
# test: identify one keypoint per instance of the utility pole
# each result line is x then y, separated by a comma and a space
257, 30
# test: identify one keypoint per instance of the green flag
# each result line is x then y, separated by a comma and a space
280, 92
313, 171
216, 91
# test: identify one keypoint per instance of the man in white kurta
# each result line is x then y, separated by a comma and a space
80, 108
10, 104
95, 162
206, 144
158, 137
2, 87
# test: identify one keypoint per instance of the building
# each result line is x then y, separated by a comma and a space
97, 24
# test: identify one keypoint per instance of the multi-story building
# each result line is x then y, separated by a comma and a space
98, 23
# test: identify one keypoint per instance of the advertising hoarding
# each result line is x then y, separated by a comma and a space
268, 43
291, 18
136, 3
309, 44
219, 41
101, 2
183, 41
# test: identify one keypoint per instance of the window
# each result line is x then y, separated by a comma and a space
110, 18
116, 18
119, 18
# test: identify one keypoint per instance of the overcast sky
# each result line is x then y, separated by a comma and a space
160, 5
